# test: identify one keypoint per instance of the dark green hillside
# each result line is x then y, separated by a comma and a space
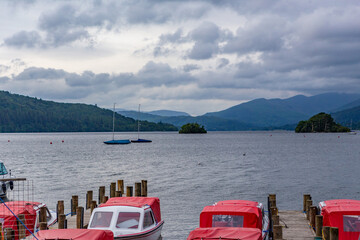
349, 117
26, 114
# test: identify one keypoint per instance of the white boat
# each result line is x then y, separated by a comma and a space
6, 184
129, 218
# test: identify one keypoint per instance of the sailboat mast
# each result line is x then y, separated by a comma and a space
138, 121
114, 121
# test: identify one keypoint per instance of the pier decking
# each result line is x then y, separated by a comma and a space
295, 225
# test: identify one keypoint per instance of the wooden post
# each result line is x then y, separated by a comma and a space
138, 189
74, 204
61, 224
306, 197
308, 204
80, 217
276, 219
92, 206
313, 211
334, 233
42, 216
59, 209
318, 225
278, 232
105, 198
112, 189
101, 193
21, 227
144, 188
272, 200
43, 226
274, 211
129, 191
118, 194
1, 231
326, 233
8, 233
89, 198
120, 186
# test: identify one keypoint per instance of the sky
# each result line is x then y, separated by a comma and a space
194, 56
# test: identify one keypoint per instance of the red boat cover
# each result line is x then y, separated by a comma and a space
75, 234
248, 209
18, 207
139, 202
345, 215
225, 233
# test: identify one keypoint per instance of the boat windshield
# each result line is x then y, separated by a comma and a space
351, 223
128, 220
3, 170
227, 221
101, 220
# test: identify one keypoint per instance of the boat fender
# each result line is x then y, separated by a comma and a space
11, 185
3, 186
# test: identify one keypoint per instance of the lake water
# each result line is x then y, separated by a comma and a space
188, 172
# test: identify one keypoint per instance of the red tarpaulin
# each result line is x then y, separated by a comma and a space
153, 202
18, 207
225, 233
249, 210
75, 234
343, 214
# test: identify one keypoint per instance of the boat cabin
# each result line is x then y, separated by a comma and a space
343, 214
75, 234
229, 233
127, 215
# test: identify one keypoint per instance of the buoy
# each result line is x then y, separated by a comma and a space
62, 141
50, 142
8, 140
338, 136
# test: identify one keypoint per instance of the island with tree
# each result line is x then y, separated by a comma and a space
321, 122
192, 128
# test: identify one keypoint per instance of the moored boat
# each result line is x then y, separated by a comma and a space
238, 215
5, 182
74, 234
343, 214
129, 218
228, 233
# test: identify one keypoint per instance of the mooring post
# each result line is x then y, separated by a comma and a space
93, 206
118, 194
62, 218
1, 231
276, 220
274, 211
277, 232
80, 217
144, 188
74, 204
334, 233
318, 225
120, 186
101, 193
129, 191
59, 209
308, 204
112, 189
138, 189
8, 233
306, 197
313, 212
21, 227
42, 216
326, 232
43, 226
272, 200
89, 198
105, 199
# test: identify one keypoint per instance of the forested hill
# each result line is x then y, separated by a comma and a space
26, 114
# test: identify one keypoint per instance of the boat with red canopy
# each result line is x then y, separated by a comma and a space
229, 233
343, 214
235, 214
74, 234
129, 218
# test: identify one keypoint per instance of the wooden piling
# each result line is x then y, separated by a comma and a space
1, 231
138, 189
120, 187
144, 188
8, 233
313, 211
129, 191
43, 226
272, 200
118, 194
274, 211
277, 229
61, 221
42, 216
80, 217
59, 209
308, 204
326, 232
306, 197
101, 194
112, 189
318, 225
105, 199
276, 219
334, 233
74, 204
21, 227
89, 198
92, 206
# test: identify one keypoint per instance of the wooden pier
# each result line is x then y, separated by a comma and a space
295, 225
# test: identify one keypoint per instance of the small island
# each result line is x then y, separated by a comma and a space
321, 122
192, 128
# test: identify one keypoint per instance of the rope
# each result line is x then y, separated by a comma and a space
18, 218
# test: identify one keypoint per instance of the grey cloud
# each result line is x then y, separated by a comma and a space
4, 68
223, 62
34, 73
4, 79
202, 50
175, 37
24, 39
191, 67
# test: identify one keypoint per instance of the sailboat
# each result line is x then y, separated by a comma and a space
113, 141
140, 140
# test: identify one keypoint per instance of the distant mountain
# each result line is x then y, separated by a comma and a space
26, 114
168, 113
348, 117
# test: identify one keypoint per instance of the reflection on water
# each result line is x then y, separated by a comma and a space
188, 172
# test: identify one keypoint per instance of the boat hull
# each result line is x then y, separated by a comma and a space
152, 234
141, 141
125, 141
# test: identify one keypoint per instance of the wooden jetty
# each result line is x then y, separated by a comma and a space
295, 225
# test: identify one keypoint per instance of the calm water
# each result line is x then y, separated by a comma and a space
188, 172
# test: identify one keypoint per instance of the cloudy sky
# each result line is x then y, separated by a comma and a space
192, 56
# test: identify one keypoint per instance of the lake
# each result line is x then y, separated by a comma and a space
188, 172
